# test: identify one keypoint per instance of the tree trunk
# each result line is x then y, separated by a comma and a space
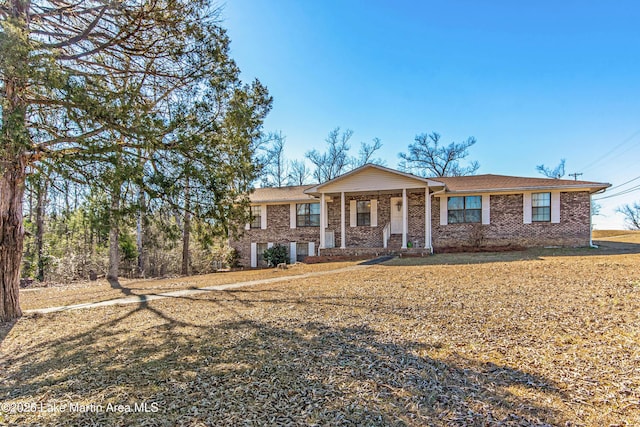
186, 231
14, 142
142, 268
114, 234
40, 207
11, 238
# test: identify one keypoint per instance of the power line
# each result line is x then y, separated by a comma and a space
620, 193
608, 153
624, 183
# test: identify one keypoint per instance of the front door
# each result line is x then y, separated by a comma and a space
396, 215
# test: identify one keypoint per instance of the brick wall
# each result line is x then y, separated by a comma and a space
278, 231
415, 234
507, 225
365, 235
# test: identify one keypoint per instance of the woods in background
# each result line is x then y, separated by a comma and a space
118, 116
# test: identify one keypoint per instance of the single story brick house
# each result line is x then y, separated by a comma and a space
374, 209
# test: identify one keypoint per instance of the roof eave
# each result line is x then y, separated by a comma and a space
281, 201
590, 188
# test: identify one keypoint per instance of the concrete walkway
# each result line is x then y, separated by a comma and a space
141, 299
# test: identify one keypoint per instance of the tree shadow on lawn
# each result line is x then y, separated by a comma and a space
115, 284
5, 328
614, 247
260, 372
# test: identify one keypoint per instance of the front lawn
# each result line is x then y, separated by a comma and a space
547, 339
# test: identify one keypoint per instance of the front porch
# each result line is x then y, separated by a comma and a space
375, 210
384, 219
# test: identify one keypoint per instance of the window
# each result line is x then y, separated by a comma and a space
302, 251
308, 215
363, 209
256, 220
467, 209
260, 248
541, 207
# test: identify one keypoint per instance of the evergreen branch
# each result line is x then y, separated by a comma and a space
81, 36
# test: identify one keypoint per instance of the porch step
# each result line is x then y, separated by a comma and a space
395, 241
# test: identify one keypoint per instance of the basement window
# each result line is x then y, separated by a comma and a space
302, 251
260, 248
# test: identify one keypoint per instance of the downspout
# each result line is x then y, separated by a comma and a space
431, 234
591, 245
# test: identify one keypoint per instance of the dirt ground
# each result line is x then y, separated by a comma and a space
541, 337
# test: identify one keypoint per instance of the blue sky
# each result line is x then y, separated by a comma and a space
533, 82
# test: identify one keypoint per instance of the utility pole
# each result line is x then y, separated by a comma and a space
575, 175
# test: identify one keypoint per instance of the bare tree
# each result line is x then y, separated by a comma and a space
335, 161
631, 215
365, 155
299, 173
556, 173
427, 157
275, 167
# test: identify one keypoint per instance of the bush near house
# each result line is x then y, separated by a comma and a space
275, 255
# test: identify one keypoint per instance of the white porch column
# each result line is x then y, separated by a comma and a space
427, 219
405, 218
343, 228
322, 221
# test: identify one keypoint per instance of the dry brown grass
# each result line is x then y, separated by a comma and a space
548, 338
102, 290
601, 234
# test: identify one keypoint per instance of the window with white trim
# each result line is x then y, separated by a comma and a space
302, 251
464, 209
363, 209
260, 248
308, 214
256, 220
541, 207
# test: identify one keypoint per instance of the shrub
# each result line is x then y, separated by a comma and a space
275, 255
233, 258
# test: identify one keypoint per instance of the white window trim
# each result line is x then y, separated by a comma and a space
444, 212
254, 255
555, 207
486, 209
292, 215
293, 253
374, 213
263, 217
527, 210
353, 213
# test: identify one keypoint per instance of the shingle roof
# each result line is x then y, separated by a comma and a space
280, 194
454, 184
491, 182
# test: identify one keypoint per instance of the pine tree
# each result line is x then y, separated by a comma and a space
88, 83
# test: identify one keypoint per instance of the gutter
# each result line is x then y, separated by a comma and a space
521, 189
